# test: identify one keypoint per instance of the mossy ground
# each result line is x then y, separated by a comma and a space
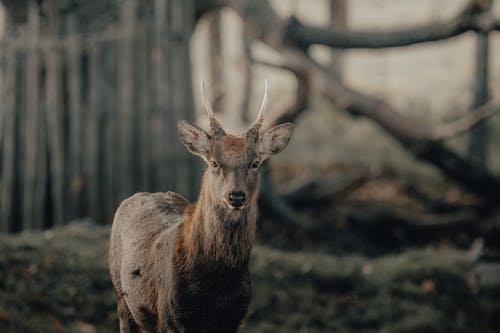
57, 281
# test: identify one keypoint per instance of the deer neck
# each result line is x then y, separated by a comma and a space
215, 235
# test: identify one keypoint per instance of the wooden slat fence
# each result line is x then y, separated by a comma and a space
87, 120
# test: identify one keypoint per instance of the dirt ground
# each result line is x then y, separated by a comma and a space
57, 281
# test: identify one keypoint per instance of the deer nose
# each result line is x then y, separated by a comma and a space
237, 199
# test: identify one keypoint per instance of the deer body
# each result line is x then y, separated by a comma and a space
181, 267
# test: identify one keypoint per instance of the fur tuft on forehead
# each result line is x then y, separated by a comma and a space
234, 144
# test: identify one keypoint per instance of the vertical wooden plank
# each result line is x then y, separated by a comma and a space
193, 165
160, 161
144, 52
91, 161
126, 97
109, 79
176, 110
181, 106
41, 173
7, 108
171, 90
19, 134
54, 131
2, 111
53, 113
75, 119
32, 121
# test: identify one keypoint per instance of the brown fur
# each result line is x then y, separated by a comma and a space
234, 144
179, 267
147, 276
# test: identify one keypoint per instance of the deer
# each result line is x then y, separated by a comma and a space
178, 266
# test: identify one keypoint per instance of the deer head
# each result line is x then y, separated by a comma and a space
234, 160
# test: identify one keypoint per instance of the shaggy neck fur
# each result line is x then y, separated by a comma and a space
215, 235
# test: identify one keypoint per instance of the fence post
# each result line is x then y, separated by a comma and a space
160, 59
7, 110
76, 140
188, 171
126, 82
75, 119
29, 218
92, 134
144, 75
54, 133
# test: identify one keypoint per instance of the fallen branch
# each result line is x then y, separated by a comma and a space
434, 203
472, 18
384, 217
317, 189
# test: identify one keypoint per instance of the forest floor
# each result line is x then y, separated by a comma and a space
345, 278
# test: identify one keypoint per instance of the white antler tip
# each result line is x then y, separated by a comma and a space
263, 105
206, 102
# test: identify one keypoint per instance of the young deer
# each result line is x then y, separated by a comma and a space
181, 267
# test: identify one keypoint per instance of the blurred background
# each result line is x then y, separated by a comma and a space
382, 215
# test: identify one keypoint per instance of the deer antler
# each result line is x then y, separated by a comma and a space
254, 130
263, 106
215, 126
206, 102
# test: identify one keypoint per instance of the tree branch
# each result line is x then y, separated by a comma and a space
472, 18
415, 138
465, 123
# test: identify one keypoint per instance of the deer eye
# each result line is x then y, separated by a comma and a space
214, 164
255, 165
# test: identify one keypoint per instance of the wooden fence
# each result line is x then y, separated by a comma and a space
86, 120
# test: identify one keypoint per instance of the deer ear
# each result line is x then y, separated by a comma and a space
274, 140
196, 140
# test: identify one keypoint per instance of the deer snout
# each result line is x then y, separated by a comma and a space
237, 199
